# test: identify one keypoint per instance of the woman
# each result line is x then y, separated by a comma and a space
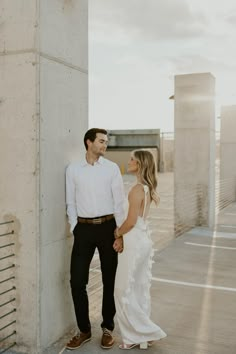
133, 276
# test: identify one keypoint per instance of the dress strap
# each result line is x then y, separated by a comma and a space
146, 190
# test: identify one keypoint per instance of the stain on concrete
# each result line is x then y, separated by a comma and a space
68, 5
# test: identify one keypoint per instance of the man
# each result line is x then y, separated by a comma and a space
95, 199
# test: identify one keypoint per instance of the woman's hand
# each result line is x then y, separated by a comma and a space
118, 245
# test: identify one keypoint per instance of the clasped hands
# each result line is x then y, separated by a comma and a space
118, 243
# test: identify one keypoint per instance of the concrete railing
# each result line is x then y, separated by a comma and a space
193, 203
225, 193
190, 207
7, 287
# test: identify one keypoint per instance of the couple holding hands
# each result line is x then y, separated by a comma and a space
95, 208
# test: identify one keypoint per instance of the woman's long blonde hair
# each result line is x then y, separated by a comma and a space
147, 171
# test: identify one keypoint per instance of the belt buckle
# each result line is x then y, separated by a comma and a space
97, 221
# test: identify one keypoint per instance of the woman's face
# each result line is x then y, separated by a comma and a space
132, 165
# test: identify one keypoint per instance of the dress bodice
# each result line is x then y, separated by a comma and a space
141, 220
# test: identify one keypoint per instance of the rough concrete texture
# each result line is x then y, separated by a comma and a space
44, 115
194, 161
228, 148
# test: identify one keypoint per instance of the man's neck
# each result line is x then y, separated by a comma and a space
91, 158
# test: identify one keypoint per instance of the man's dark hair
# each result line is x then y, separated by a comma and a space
91, 135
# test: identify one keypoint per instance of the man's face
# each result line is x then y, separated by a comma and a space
99, 146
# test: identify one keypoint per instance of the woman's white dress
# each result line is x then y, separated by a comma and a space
132, 285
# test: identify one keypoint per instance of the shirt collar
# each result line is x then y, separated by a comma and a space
99, 161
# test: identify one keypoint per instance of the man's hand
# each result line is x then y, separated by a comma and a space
118, 245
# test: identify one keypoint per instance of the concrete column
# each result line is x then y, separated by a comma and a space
43, 109
167, 152
194, 178
227, 151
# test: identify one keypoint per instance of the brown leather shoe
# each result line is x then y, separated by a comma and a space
78, 340
107, 341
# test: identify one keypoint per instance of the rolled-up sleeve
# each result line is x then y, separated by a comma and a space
118, 195
71, 198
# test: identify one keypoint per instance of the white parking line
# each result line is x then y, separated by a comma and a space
196, 285
229, 226
161, 217
208, 233
211, 246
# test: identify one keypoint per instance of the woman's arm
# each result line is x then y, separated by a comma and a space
136, 198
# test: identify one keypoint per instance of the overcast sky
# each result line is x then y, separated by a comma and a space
136, 47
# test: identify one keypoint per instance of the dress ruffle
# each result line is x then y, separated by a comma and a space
147, 280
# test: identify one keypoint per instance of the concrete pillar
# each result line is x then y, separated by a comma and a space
167, 152
43, 109
227, 152
194, 177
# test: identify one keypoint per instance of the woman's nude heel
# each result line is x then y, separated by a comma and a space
143, 345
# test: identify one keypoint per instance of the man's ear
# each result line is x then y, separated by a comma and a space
88, 142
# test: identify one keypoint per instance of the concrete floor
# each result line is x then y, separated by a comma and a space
193, 297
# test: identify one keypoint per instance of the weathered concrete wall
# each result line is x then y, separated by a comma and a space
122, 142
228, 149
136, 138
63, 113
167, 153
19, 147
43, 108
194, 150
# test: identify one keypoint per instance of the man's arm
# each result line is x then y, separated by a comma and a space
70, 198
118, 195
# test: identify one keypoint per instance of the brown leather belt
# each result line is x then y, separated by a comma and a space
99, 220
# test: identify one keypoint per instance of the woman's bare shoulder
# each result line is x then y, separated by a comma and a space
136, 190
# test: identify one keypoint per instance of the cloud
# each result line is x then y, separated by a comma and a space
200, 63
231, 19
138, 46
152, 19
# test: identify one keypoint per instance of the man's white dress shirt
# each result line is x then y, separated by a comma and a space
94, 190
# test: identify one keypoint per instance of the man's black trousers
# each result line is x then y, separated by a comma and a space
88, 237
